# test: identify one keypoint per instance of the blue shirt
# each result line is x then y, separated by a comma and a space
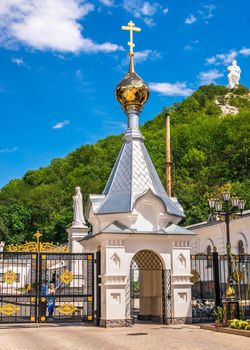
45, 289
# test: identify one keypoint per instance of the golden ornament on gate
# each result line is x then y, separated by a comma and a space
66, 277
195, 276
67, 309
9, 309
238, 276
9, 277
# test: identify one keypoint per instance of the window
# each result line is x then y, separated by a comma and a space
209, 256
209, 250
241, 249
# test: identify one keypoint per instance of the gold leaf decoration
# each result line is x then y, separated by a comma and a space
32, 247
9, 309
195, 276
37, 246
66, 277
67, 309
9, 277
238, 276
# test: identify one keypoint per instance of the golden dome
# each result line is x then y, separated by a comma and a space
132, 90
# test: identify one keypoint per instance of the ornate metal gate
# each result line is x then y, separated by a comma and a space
73, 277
26, 281
143, 263
210, 280
18, 284
166, 297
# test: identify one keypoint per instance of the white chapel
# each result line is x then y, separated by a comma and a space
144, 271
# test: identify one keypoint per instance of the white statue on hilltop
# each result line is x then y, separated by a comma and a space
234, 74
78, 220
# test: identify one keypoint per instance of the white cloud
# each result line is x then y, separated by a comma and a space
168, 89
142, 9
191, 45
222, 58
245, 51
60, 125
48, 25
228, 57
79, 74
108, 3
18, 61
190, 19
148, 9
142, 56
209, 77
165, 11
205, 14
149, 22
8, 150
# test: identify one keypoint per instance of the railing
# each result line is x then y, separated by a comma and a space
210, 274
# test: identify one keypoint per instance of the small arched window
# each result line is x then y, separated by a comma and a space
241, 249
209, 250
209, 256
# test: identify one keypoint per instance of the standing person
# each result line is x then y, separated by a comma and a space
43, 302
51, 299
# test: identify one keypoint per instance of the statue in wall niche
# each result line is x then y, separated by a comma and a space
78, 219
234, 74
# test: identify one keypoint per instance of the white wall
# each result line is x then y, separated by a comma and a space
214, 234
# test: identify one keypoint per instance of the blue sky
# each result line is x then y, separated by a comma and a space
60, 61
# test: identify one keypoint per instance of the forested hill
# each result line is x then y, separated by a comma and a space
209, 150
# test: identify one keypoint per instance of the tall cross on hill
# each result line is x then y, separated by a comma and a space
131, 27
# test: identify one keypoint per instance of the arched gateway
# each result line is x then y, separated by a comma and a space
150, 286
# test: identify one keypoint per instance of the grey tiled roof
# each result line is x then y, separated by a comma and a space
132, 176
177, 230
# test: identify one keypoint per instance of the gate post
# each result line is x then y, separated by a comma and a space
216, 278
98, 287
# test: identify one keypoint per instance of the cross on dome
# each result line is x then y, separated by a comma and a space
131, 27
132, 92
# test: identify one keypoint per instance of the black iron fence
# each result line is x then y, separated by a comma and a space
210, 280
46, 287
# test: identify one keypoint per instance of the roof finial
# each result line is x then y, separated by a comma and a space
131, 27
132, 92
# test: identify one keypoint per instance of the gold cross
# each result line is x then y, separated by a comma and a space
37, 235
131, 27
38, 244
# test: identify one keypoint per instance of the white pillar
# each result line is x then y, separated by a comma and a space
181, 284
2, 244
76, 234
114, 283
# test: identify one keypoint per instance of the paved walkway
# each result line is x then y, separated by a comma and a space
145, 337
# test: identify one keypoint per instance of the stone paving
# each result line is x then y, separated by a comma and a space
145, 337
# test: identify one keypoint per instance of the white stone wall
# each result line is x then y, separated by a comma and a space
117, 251
214, 234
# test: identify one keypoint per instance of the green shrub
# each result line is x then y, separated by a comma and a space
240, 90
218, 314
239, 324
233, 323
242, 324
